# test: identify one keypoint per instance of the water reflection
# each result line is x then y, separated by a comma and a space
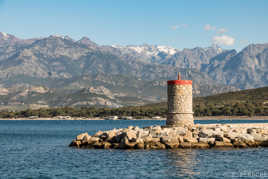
183, 162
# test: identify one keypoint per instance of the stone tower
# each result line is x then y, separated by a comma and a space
180, 107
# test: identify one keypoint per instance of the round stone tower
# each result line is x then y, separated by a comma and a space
180, 103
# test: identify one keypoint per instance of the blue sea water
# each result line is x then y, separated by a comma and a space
39, 149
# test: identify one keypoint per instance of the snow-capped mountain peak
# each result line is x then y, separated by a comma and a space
168, 50
61, 36
4, 35
149, 50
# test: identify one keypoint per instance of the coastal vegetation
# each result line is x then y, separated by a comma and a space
253, 102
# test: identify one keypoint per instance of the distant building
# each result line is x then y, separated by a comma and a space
111, 118
156, 117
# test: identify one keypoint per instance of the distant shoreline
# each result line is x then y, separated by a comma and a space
98, 118
232, 118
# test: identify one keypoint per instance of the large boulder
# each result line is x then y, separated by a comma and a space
200, 145
211, 132
231, 135
259, 137
219, 144
126, 144
181, 131
239, 144
142, 133
205, 133
189, 137
75, 143
108, 136
139, 145
107, 145
246, 138
98, 134
154, 145
81, 136
170, 142
131, 136
185, 145
148, 139
209, 141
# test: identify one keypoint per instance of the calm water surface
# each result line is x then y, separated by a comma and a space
39, 149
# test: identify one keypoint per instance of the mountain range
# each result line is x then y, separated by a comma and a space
60, 71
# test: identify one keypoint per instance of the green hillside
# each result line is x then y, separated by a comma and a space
253, 102
246, 102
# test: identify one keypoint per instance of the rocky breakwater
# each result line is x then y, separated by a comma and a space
162, 137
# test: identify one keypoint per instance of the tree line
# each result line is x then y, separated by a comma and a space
201, 108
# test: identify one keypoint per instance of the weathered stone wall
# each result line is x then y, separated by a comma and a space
175, 119
180, 98
180, 105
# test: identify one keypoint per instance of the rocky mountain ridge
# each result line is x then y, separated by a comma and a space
138, 73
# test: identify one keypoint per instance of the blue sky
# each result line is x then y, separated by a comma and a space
176, 23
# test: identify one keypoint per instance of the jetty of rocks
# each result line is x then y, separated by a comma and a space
162, 137
179, 131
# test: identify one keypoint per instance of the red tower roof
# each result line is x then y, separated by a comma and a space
179, 81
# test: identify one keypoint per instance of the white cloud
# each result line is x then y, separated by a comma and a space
179, 26
209, 27
221, 30
223, 40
